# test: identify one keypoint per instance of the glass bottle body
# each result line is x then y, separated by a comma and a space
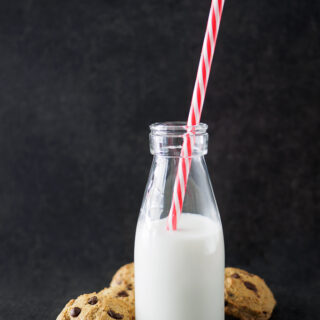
179, 275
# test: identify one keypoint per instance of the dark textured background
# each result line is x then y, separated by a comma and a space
80, 81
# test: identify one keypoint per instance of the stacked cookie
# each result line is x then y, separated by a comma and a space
247, 297
115, 302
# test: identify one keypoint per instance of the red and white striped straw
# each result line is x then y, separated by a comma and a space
198, 96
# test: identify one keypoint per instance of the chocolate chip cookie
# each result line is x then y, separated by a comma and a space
124, 276
95, 307
122, 293
247, 296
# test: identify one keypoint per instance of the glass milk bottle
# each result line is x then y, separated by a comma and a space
179, 275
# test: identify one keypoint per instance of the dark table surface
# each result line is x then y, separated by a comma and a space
81, 81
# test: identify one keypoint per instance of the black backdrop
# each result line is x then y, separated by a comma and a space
80, 81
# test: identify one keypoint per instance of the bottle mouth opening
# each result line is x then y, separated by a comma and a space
174, 128
168, 138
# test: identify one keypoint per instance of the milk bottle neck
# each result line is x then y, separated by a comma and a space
166, 141
167, 138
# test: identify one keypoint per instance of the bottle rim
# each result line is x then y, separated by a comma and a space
177, 128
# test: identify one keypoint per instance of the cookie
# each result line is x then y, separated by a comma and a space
124, 276
95, 307
122, 293
78, 306
247, 296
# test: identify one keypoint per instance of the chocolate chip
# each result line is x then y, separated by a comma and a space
225, 303
93, 300
250, 286
129, 286
235, 275
74, 312
230, 294
114, 315
123, 293
264, 312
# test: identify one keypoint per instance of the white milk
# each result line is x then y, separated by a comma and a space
179, 275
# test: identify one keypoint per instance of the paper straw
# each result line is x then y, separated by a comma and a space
198, 96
